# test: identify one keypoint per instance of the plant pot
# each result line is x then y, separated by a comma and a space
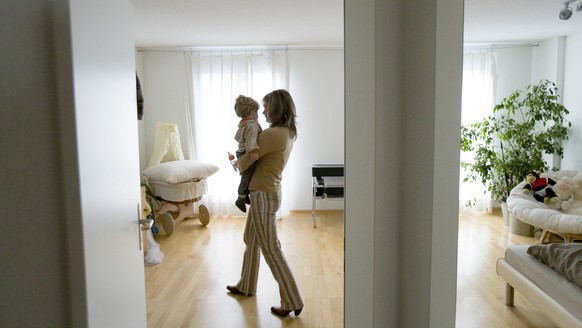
518, 227
505, 213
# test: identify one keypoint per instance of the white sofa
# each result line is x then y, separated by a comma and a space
565, 224
543, 280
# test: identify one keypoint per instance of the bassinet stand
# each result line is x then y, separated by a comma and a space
184, 209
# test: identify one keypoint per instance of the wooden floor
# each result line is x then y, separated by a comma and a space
480, 292
188, 288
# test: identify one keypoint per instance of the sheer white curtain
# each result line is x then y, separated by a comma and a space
478, 100
214, 80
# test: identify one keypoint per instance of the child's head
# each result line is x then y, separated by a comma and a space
245, 106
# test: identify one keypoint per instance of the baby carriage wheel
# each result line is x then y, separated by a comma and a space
168, 223
203, 215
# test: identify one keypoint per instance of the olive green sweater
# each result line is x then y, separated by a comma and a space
275, 145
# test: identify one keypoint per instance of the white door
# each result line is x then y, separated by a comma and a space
105, 130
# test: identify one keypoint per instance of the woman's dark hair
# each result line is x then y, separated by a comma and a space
281, 110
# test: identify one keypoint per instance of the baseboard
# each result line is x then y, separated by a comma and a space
318, 211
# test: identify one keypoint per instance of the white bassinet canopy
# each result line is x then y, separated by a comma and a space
167, 146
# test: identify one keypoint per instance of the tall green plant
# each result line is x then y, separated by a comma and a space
514, 138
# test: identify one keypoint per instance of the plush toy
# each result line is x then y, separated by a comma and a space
541, 187
564, 190
578, 181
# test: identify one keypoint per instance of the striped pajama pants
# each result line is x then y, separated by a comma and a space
260, 235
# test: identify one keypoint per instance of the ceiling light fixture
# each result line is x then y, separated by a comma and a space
566, 12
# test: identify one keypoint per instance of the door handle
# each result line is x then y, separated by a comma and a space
146, 224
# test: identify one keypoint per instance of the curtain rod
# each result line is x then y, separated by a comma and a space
242, 48
493, 46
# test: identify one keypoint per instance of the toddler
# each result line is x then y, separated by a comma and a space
248, 131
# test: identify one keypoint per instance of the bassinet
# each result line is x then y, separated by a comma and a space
177, 183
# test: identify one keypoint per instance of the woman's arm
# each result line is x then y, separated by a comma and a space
266, 145
246, 159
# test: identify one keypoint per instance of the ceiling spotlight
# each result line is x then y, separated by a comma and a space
579, 6
566, 12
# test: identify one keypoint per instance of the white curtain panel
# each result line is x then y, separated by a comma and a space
478, 100
214, 80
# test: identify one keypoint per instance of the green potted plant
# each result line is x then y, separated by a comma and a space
152, 201
513, 140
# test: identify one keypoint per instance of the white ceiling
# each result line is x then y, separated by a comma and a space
183, 23
187, 23
517, 20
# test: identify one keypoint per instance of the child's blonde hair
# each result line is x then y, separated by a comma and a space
245, 106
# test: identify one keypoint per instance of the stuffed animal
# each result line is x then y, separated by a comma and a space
564, 190
541, 187
578, 181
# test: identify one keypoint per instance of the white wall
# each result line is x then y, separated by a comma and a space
572, 96
101, 146
403, 99
164, 91
33, 256
548, 64
557, 59
548, 61
316, 84
69, 166
141, 123
513, 69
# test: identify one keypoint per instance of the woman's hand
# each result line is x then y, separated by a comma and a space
254, 155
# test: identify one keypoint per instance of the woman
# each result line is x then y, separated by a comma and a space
260, 235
